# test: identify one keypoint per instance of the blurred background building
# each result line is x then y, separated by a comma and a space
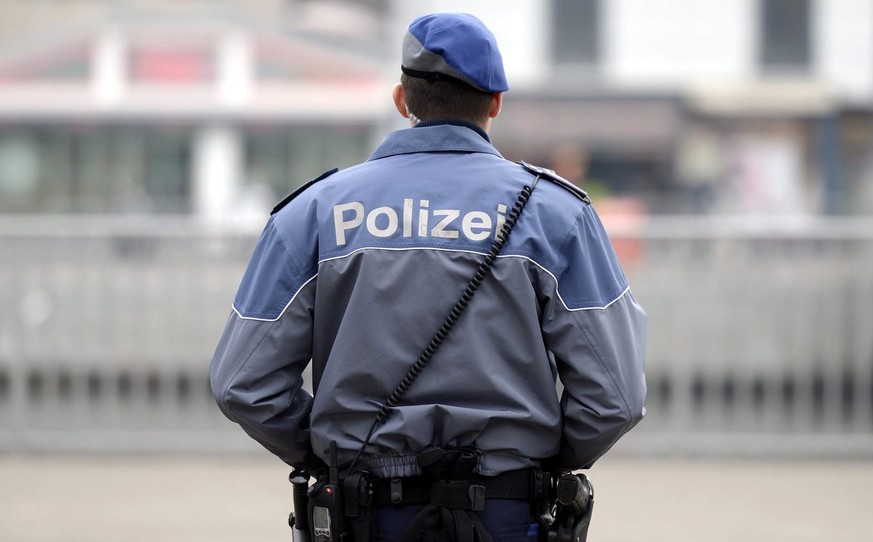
728, 146
215, 108
203, 108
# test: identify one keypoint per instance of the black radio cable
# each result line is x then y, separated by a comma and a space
482, 272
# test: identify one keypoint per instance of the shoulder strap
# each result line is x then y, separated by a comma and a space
287, 199
553, 177
455, 313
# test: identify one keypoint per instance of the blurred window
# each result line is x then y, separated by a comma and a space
19, 167
172, 65
576, 35
95, 169
50, 64
785, 35
285, 157
646, 176
282, 59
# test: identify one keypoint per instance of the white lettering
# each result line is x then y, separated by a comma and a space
476, 225
501, 219
389, 221
387, 231
440, 229
341, 225
422, 217
407, 217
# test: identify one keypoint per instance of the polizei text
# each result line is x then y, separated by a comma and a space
416, 218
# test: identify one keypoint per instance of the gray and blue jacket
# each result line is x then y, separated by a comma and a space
356, 273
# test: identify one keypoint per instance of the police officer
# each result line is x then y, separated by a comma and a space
355, 272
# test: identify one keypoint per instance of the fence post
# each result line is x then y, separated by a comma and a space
11, 356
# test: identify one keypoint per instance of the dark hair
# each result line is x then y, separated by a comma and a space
445, 99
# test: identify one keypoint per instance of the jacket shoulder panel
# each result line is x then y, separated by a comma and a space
553, 177
287, 199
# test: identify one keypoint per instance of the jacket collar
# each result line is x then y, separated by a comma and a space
434, 138
470, 125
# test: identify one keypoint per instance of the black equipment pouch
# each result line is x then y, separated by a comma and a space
449, 463
454, 499
358, 505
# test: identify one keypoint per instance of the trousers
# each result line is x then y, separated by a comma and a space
506, 520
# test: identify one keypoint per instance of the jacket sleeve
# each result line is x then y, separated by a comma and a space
257, 370
597, 333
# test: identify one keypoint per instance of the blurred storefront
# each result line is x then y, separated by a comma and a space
216, 108
207, 110
762, 107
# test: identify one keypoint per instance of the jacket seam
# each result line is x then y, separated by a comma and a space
574, 225
601, 304
399, 150
245, 360
296, 266
284, 308
284, 242
605, 367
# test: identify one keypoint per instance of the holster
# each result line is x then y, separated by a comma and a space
574, 507
570, 528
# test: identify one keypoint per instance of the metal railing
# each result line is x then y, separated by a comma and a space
760, 333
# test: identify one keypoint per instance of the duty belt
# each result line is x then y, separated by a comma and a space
469, 494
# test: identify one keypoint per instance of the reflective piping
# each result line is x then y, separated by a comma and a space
557, 285
401, 249
233, 306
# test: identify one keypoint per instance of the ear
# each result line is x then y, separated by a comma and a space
399, 100
496, 105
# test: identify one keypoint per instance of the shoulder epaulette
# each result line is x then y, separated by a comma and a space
287, 199
550, 175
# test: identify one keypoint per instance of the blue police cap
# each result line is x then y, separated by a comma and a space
456, 45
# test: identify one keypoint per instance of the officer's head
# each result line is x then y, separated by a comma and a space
452, 69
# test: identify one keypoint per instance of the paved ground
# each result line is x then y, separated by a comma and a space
242, 499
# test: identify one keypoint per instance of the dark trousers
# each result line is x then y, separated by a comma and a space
505, 520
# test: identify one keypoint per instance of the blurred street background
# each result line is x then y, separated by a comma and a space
728, 147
